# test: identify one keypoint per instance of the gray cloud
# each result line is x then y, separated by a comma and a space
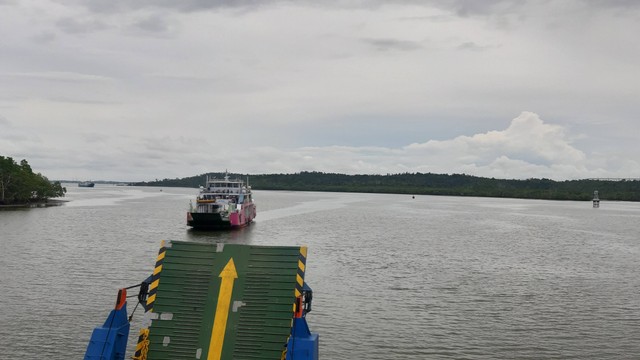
117, 6
44, 38
392, 44
463, 8
153, 24
471, 46
94, 137
460, 7
74, 26
466, 8
275, 86
56, 76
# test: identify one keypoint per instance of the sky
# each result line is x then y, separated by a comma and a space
141, 90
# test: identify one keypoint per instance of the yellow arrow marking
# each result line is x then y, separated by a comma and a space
228, 276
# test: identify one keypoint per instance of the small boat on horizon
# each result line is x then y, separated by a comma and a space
222, 204
86, 184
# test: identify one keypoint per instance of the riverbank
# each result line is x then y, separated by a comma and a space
48, 203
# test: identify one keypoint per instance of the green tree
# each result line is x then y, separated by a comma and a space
18, 183
7, 176
431, 184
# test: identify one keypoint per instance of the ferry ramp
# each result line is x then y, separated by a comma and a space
223, 301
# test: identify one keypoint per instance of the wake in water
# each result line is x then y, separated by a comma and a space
335, 202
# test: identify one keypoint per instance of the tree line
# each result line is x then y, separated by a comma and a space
428, 184
20, 185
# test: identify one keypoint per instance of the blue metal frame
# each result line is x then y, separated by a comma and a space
303, 344
109, 341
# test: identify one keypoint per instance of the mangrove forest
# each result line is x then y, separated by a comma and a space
429, 184
19, 185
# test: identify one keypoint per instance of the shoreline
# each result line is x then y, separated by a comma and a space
47, 203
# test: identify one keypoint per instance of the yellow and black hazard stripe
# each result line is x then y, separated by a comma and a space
302, 263
155, 278
143, 345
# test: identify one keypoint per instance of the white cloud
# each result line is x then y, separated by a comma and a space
527, 148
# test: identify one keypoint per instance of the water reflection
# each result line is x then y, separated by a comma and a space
233, 236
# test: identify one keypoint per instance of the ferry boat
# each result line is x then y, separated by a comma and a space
222, 204
86, 184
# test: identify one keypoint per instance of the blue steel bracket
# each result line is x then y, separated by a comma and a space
303, 344
109, 341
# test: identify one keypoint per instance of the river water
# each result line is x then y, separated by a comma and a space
393, 277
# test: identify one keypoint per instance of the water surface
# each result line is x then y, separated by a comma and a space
393, 277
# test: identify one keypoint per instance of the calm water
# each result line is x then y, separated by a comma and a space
393, 277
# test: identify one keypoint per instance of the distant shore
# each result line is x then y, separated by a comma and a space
430, 184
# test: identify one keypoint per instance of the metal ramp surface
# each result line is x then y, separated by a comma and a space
223, 301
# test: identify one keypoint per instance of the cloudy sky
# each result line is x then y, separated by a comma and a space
137, 90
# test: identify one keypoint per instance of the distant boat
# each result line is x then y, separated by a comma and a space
222, 204
86, 184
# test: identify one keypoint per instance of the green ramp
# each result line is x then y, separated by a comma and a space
223, 301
